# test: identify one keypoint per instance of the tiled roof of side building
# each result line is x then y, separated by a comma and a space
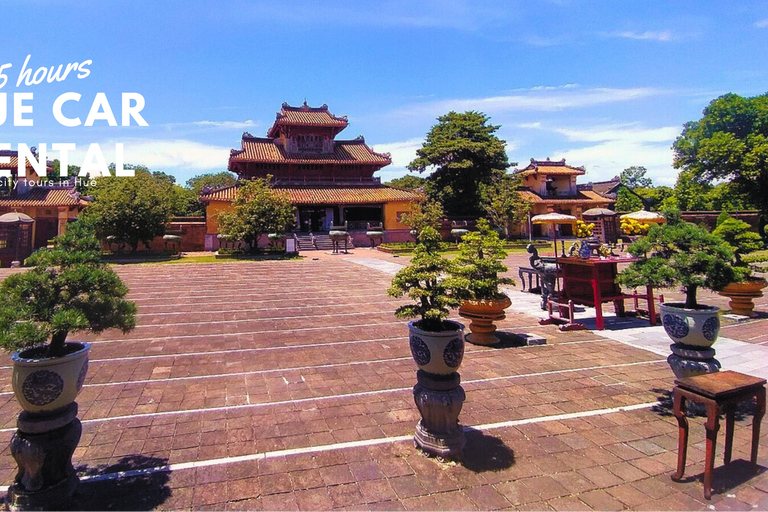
550, 167
39, 196
584, 196
259, 149
299, 195
14, 163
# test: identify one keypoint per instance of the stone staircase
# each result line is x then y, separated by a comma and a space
322, 242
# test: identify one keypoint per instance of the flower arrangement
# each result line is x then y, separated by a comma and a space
584, 230
634, 227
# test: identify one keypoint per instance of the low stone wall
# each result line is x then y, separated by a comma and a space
710, 217
191, 229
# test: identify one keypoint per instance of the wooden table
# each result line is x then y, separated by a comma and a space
592, 282
726, 389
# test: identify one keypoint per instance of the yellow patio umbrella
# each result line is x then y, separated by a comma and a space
645, 216
554, 218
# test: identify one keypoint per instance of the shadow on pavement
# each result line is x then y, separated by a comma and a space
486, 453
664, 407
135, 491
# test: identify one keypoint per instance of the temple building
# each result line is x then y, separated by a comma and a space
551, 187
330, 181
52, 206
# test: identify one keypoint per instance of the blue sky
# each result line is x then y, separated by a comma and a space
604, 84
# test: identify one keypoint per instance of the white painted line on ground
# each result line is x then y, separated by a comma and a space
269, 319
325, 306
342, 446
347, 395
181, 336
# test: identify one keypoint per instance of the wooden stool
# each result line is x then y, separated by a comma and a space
725, 389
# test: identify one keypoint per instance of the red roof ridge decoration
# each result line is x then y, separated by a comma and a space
550, 167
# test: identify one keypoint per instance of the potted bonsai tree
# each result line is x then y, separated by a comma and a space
743, 291
679, 253
478, 266
67, 290
437, 344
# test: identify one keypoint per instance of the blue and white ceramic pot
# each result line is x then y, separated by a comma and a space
438, 353
693, 327
44, 385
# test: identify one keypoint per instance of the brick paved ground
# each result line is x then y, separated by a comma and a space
287, 385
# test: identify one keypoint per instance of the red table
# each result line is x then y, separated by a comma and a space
592, 282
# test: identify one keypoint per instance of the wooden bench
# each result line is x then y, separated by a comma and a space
721, 389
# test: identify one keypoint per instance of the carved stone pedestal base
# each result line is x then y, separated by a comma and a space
689, 361
439, 399
43, 447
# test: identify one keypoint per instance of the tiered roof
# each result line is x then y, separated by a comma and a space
309, 195
265, 150
307, 116
549, 167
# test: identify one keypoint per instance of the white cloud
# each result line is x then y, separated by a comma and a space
762, 23
628, 132
663, 36
224, 125
539, 99
622, 146
176, 154
402, 153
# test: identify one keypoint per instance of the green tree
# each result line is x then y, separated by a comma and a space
738, 235
680, 254
464, 154
479, 263
408, 182
422, 281
196, 186
503, 202
211, 180
422, 214
634, 177
67, 290
626, 201
132, 210
730, 142
257, 210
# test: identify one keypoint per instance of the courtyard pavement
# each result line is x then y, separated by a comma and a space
287, 385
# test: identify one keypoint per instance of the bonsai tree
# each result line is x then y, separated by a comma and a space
738, 235
67, 290
479, 263
680, 253
423, 282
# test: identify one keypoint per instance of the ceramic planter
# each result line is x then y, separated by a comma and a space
47, 385
482, 313
742, 295
692, 327
438, 353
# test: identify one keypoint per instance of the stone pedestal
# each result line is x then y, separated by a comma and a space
43, 447
689, 361
439, 399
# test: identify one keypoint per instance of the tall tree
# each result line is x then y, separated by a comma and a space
212, 180
464, 154
503, 202
132, 210
730, 142
409, 182
634, 177
257, 209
